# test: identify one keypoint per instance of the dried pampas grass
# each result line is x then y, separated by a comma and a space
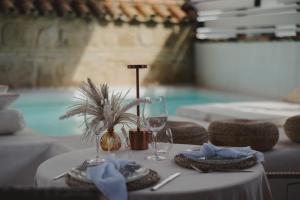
101, 111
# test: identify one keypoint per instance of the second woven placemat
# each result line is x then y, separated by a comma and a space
206, 165
149, 180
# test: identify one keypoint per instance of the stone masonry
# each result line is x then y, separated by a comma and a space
42, 52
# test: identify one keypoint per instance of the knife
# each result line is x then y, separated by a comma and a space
61, 175
165, 181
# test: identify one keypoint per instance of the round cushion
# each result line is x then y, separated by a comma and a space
187, 132
292, 128
261, 136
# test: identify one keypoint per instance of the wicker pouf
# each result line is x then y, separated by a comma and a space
187, 132
292, 128
261, 136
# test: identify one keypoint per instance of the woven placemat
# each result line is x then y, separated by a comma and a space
149, 180
205, 165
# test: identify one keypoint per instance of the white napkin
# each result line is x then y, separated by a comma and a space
108, 178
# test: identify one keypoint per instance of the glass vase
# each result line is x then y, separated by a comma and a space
110, 141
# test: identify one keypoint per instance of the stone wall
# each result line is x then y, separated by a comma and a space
38, 52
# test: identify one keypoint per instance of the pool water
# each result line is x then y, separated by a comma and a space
42, 108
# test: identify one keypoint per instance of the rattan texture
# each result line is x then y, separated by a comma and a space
292, 128
261, 136
149, 180
203, 165
187, 132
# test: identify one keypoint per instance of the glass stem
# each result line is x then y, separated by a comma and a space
97, 146
155, 143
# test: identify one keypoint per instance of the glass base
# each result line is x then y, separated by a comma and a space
156, 157
162, 151
96, 161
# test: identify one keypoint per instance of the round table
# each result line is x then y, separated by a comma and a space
189, 185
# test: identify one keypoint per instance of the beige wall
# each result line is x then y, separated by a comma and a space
55, 52
270, 69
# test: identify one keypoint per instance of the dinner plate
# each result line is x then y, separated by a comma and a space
130, 173
134, 172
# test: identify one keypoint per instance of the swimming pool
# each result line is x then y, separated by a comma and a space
42, 108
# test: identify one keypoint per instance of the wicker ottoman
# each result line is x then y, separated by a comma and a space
261, 136
292, 128
187, 132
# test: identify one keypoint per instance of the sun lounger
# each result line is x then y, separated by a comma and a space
273, 111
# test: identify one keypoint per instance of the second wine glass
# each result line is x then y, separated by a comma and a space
164, 140
155, 118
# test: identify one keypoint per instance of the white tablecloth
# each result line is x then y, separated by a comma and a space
22, 153
189, 186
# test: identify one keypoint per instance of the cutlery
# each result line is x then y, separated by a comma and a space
198, 170
81, 167
62, 174
218, 170
165, 181
65, 173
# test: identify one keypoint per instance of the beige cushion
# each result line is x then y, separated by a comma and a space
292, 128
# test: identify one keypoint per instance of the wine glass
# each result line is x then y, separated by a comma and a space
97, 160
96, 131
155, 118
164, 141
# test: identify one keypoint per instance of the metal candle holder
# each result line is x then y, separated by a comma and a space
139, 138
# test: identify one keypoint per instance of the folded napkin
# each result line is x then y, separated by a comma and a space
11, 121
209, 150
108, 179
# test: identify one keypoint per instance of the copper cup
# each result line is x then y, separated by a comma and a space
139, 140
